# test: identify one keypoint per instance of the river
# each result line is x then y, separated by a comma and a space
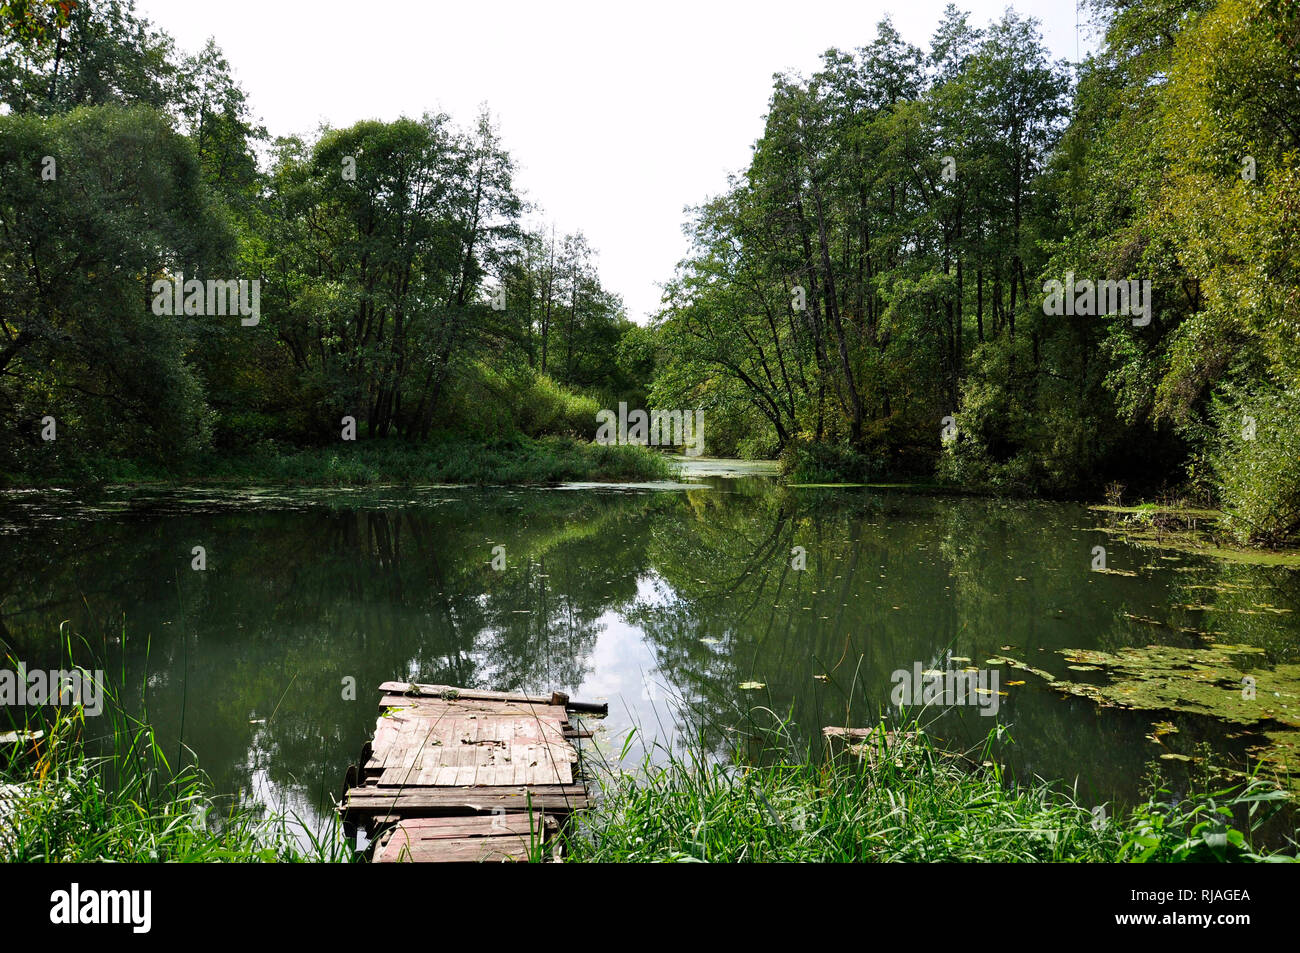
699, 609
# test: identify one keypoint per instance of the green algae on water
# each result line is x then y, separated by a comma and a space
1232, 683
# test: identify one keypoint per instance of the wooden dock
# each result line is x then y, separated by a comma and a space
458, 774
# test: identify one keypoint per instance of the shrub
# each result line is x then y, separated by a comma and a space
809, 462
1256, 464
490, 401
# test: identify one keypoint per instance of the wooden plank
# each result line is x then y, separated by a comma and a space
450, 692
407, 806
411, 844
483, 706
465, 841
456, 774
470, 768
409, 709
378, 817
470, 850
374, 794
439, 801
523, 824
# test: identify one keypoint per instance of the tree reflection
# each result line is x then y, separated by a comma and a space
246, 663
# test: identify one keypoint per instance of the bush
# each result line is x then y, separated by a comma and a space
489, 401
809, 462
1256, 464
547, 407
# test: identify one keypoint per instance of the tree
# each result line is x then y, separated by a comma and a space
78, 254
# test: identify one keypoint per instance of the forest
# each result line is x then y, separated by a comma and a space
877, 295
397, 285
872, 296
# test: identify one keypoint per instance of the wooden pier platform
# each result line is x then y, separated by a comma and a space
459, 774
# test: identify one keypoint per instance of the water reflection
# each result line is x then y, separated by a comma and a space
662, 601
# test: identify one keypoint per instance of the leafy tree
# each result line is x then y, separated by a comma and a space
57, 56
78, 252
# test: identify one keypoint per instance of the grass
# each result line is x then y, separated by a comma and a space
900, 799
59, 803
446, 459
891, 796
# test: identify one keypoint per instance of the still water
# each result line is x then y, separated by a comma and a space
664, 600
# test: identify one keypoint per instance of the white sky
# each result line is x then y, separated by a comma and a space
617, 116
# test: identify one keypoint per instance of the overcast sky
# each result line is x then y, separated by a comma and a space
617, 115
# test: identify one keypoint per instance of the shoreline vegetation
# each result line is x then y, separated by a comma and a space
1172, 523
891, 796
897, 796
504, 460
60, 802
1193, 530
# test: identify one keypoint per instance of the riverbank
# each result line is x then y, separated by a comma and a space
892, 796
1176, 525
1190, 530
446, 459
895, 796
61, 804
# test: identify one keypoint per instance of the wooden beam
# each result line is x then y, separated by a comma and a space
452, 693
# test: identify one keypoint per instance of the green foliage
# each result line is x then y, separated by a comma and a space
376, 247
890, 215
445, 458
132, 808
809, 462
381, 243
62, 803
58, 56
31, 24
1201, 828
1256, 446
901, 800
498, 402
76, 258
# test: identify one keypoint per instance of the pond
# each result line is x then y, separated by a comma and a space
697, 610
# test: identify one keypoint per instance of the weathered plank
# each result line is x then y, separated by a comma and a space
429, 802
468, 706
526, 824
368, 795
468, 850
459, 774
476, 838
449, 692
